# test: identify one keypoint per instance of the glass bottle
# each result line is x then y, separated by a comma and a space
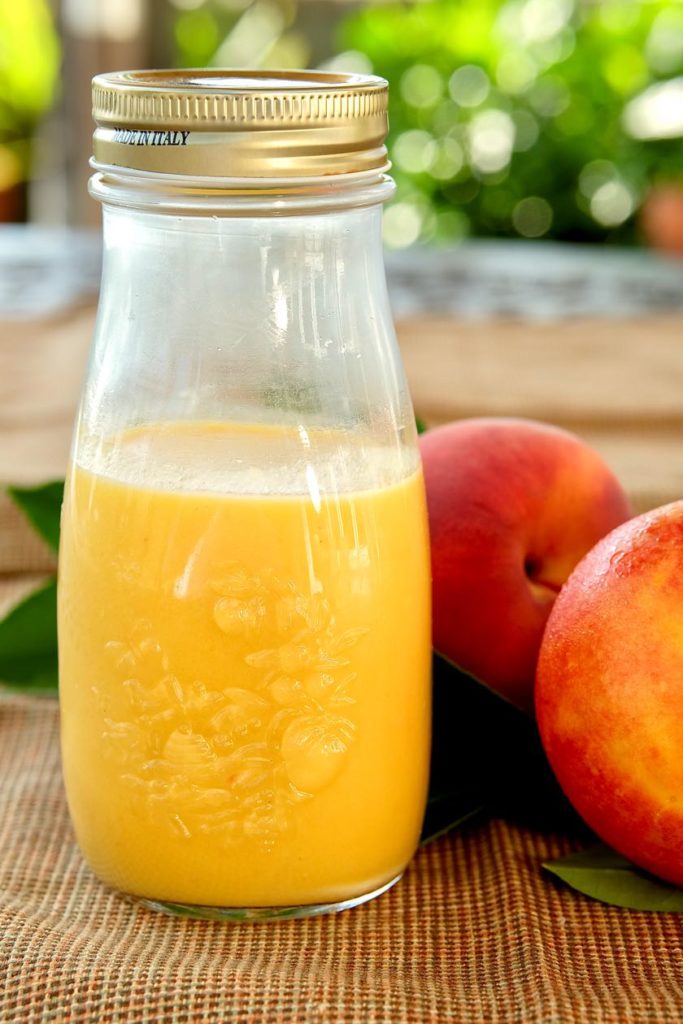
244, 615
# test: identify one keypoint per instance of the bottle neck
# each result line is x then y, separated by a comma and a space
317, 275
238, 197
215, 313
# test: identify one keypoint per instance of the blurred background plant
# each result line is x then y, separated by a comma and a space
509, 118
29, 66
522, 118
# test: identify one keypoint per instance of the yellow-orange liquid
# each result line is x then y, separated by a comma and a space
244, 676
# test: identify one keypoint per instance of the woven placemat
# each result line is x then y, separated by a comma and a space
474, 934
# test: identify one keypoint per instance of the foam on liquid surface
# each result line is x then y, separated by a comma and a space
233, 459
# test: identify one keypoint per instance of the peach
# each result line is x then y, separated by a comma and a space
609, 691
513, 506
661, 218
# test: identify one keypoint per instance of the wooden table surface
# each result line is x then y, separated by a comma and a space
617, 383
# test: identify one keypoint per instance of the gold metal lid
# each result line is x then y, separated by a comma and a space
222, 124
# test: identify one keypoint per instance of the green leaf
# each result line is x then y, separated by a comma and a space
605, 875
28, 642
447, 812
42, 506
420, 425
456, 793
482, 744
486, 757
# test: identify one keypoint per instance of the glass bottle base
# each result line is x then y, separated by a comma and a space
254, 914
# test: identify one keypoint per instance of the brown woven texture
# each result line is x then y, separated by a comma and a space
473, 933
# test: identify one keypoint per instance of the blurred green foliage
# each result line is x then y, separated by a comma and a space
507, 117
29, 65
239, 33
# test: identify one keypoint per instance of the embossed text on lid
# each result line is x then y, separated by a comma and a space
234, 123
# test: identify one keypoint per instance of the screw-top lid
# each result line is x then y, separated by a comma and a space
214, 123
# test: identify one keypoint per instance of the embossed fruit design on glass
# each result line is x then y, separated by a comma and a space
244, 573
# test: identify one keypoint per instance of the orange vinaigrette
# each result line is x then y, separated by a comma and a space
244, 665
